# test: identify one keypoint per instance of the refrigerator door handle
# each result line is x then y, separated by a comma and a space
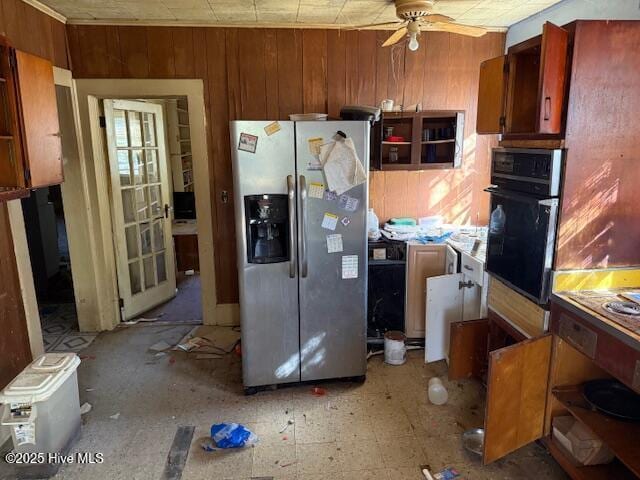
303, 228
291, 196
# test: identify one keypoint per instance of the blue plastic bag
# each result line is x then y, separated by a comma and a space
232, 435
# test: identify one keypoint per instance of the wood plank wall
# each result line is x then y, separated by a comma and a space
255, 74
32, 31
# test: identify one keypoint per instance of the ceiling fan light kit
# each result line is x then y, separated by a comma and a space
416, 16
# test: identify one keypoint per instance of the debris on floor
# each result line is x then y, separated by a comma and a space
230, 435
289, 422
142, 319
207, 339
319, 391
160, 346
115, 416
85, 408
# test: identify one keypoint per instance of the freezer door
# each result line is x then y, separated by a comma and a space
268, 291
333, 309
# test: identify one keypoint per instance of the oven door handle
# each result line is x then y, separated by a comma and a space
519, 197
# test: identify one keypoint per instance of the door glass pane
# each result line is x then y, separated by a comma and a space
131, 235
149, 130
137, 162
145, 238
149, 274
124, 167
152, 166
158, 236
128, 205
120, 124
135, 129
161, 268
154, 201
134, 277
142, 206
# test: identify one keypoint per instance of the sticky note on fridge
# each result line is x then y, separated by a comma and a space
314, 145
350, 204
334, 243
316, 190
248, 143
272, 128
329, 221
349, 266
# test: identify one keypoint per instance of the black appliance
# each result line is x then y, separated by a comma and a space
385, 287
184, 205
267, 225
520, 244
373, 115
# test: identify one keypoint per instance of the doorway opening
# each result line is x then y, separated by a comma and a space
153, 209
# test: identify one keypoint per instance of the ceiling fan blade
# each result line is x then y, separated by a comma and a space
454, 28
436, 17
375, 25
395, 37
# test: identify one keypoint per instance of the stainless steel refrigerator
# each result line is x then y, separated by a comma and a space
303, 309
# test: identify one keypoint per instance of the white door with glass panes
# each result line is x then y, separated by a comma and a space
140, 198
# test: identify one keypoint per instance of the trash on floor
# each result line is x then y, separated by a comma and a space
447, 474
142, 319
160, 346
319, 391
230, 435
189, 272
209, 356
209, 339
438, 395
115, 416
85, 408
289, 422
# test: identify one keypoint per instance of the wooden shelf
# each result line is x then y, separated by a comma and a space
384, 142
617, 435
416, 166
434, 142
182, 125
595, 472
6, 137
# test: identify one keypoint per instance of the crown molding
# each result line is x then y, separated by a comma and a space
46, 9
179, 23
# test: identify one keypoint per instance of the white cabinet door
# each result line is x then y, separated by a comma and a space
444, 306
471, 300
451, 262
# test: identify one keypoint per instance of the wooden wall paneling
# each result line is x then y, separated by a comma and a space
114, 62
415, 63
396, 78
376, 193
367, 58
223, 79
3, 30
75, 51
14, 342
271, 73
160, 52
39, 37
59, 43
183, 52
336, 71
133, 51
436, 75
395, 194
94, 51
289, 72
314, 71
352, 80
598, 226
251, 50
383, 65
462, 80
14, 22
233, 74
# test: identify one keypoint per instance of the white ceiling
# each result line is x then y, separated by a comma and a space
488, 13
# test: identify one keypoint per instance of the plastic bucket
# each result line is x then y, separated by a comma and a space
395, 350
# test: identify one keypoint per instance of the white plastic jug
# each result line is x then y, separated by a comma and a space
498, 218
438, 395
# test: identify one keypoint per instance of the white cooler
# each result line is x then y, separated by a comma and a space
42, 410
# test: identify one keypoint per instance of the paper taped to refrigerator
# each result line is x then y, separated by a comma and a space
248, 143
350, 204
349, 266
330, 221
272, 128
330, 196
334, 243
316, 190
342, 168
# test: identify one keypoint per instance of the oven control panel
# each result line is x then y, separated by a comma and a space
534, 171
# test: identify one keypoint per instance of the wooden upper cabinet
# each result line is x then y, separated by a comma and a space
522, 94
491, 95
30, 145
40, 127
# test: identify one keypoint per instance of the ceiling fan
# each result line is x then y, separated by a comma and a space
415, 16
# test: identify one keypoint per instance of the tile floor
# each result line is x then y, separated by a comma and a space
60, 329
383, 429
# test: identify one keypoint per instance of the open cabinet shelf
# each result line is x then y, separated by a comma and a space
614, 433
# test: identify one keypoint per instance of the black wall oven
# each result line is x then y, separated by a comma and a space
524, 210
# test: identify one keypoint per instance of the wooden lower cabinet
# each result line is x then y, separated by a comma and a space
187, 257
530, 381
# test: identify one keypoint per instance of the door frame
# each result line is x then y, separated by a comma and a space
96, 188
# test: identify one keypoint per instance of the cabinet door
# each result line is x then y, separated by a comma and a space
451, 260
553, 71
39, 114
423, 261
471, 299
11, 167
491, 93
444, 307
516, 396
468, 349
